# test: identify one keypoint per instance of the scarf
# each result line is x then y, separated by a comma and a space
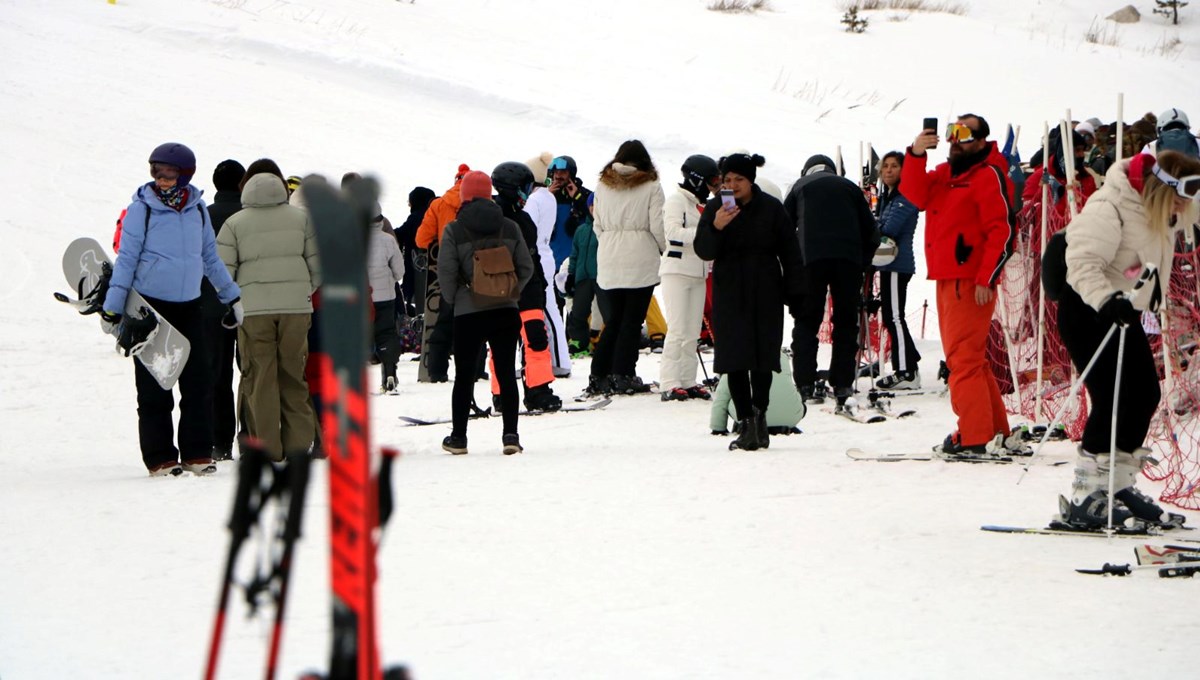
174, 198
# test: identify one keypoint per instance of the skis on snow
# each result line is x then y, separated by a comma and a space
359, 503
1168, 561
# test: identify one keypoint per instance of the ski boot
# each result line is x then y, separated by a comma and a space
900, 380
675, 394
542, 398
952, 447
598, 386
699, 392
628, 384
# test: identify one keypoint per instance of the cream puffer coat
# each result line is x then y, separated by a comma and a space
681, 214
629, 228
1111, 239
270, 249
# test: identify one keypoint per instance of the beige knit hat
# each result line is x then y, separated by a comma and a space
539, 166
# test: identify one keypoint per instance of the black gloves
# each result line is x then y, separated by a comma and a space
1119, 310
234, 315
535, 335
569, 285
134, 332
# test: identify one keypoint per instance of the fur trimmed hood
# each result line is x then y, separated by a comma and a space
622, 177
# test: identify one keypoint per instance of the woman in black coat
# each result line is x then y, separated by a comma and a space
756, 270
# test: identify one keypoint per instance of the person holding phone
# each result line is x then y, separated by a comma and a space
969, 232
756, 269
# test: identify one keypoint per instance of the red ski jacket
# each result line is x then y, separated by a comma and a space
969, 222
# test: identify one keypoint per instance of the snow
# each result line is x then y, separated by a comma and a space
623, 543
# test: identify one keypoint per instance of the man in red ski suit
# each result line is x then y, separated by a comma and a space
969, 233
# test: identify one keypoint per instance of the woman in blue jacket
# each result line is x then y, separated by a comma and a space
167, 247
897, 221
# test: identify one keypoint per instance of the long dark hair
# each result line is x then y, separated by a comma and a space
633, 152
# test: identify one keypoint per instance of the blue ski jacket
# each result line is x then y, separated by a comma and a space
165, 253
898, 221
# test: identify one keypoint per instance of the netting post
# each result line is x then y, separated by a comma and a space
1041, 329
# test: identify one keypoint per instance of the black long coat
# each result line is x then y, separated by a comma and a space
756, 270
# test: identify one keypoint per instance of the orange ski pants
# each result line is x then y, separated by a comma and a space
974, 395
539, 364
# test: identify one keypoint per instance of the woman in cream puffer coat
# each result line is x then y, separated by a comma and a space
628, 210
1127, 227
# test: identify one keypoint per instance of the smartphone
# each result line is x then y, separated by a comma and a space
929, 124
727, 199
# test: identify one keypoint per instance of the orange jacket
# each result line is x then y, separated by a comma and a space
441, 212
969, 222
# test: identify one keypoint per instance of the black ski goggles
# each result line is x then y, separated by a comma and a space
1187, 187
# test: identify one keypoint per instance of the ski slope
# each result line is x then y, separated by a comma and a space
626, 542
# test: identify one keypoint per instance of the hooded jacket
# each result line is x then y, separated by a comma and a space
629, 227
270, 249
1110, 240
166, 252
441, 212
479, 223
969, 222
385, 263
832, 218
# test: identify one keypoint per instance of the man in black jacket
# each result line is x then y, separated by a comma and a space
227, 177
838, 238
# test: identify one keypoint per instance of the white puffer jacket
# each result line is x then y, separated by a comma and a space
385, 264
629, 228
681, 215
1111, 239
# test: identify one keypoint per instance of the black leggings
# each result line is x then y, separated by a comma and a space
750, 390
617, 351
500, 329
1082, 330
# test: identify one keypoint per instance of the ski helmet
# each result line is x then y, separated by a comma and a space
513, 179
174, 153
697, 170
1173, 118
563, 163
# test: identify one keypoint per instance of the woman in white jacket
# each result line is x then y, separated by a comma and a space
628, 224
1128, 225
684, 277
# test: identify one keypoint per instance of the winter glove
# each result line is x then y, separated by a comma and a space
569, 285
110, 317
235, 315
535, 335
1119, 310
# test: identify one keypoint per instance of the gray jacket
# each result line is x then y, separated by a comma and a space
385, 264
479, 222
270, 249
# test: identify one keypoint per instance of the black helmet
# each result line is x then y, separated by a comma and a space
564, 163
697, 170
513, 178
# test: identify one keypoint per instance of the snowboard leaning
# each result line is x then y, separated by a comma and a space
165, 351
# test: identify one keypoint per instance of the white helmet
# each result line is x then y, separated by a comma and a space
885, 254
1171, 116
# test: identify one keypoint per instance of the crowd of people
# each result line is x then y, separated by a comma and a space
518, 250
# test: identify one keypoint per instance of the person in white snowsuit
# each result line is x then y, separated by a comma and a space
684, 280
543, 208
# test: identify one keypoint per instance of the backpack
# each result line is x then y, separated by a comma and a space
1177, 139
493, 276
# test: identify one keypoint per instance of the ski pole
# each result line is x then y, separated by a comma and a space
1112, 435
250, 469
297, 476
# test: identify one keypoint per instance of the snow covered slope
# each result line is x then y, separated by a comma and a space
625, 542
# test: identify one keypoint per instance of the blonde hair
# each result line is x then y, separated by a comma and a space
1158, 197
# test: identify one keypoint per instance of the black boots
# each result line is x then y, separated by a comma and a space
752, 433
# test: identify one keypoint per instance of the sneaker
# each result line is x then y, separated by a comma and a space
901, 380
676, 394
699, 392
1091, 513
512, 444
542, 398
200, 466
1144, 508
952, 446
455, 444
170, 469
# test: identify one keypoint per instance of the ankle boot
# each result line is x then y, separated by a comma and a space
747, 439
760, 429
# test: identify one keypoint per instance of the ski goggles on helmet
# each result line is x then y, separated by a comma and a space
559, 163
164, 171
1187, 187
959, 133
